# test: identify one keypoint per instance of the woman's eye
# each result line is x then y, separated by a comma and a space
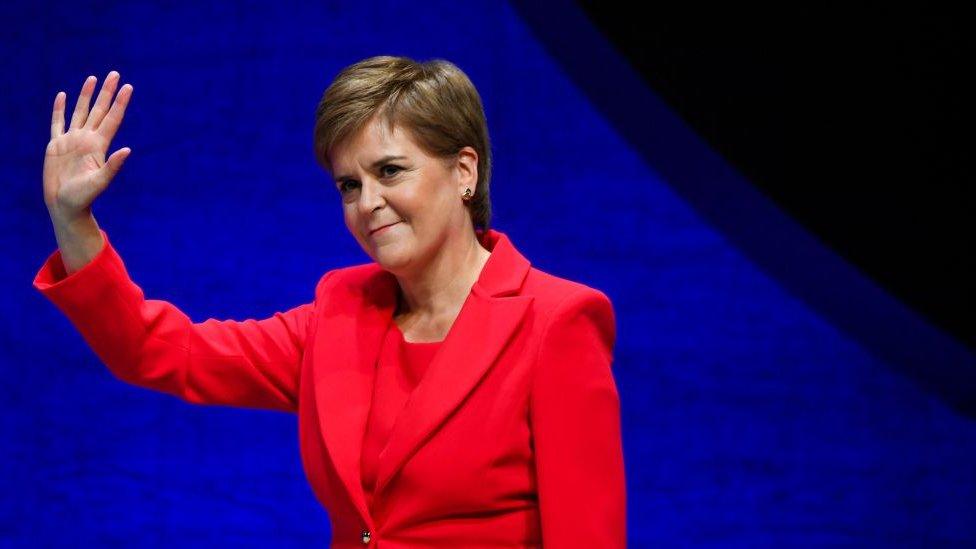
349, 184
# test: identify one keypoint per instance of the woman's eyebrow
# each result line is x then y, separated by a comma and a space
374, 165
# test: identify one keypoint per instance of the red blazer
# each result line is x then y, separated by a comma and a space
512, 438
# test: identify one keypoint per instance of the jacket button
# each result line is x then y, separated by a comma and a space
365, 535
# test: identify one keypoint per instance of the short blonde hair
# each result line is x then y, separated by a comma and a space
433, 100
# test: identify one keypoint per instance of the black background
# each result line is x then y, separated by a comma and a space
849, 118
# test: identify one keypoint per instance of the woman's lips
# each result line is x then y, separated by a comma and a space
382, 229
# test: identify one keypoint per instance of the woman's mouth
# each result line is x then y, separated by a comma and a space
382, 229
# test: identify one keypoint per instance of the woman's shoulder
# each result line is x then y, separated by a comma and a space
568, 308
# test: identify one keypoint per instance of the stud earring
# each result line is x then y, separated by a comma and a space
467, 194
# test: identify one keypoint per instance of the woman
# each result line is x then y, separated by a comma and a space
448, 394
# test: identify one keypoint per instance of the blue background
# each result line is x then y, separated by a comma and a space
771, 394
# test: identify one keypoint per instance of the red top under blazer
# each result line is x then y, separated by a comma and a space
399, 370
511, 439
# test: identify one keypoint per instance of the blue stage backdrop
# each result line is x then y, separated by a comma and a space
770, 393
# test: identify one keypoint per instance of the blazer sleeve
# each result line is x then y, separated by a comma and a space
152, 344
576, 429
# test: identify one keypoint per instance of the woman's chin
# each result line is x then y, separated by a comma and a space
397, 255
390, 259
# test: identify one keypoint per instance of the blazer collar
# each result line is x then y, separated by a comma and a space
348, 340
505, 270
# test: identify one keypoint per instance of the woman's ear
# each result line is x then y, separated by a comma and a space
467, 169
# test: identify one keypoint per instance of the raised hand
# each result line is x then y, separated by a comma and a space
75, 168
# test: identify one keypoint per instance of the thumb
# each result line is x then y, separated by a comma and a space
112, 166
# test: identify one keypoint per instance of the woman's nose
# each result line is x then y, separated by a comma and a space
370, 197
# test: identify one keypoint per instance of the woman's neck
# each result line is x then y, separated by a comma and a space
434, 296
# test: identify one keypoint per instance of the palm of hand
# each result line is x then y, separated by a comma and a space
71, 163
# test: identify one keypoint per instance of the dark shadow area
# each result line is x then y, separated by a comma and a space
847, 119
770, 235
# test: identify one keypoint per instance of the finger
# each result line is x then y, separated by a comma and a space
57, 117
103, 101
112, 166
113, 119
81, 107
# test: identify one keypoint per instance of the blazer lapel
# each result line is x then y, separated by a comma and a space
352, 329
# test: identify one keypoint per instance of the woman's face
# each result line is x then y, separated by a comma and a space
401, 204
